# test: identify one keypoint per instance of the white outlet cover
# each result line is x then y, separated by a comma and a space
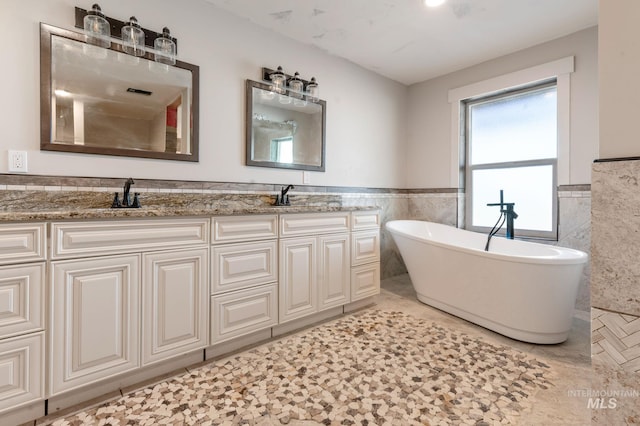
17, 161
306, 177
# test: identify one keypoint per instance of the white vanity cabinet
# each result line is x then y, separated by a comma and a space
124, 294
314, 263
22, 289
244, 288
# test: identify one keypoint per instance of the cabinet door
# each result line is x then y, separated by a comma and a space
94, 325
298, 281
334, 269
175, 308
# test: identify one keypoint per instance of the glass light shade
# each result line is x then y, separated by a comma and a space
97, 27
279, 81
165, 48
297, 86
133, 38
313, 90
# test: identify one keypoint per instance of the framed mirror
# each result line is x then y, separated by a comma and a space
96, 100
284, 130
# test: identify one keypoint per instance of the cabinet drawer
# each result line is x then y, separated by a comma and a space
21, 371
76, 239
365, 281
242, 312
228, 229
365, 247
21, 299
365, 220
313, 223
236, 266
22, 243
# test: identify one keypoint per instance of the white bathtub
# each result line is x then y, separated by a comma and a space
523, 290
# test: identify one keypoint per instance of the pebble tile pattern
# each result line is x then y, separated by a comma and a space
373, 367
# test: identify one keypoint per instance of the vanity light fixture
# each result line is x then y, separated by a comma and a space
128, 37
289, 87
165, 48
133, 38
97, 27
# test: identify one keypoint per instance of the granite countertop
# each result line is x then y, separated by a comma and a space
108, 213
68, 205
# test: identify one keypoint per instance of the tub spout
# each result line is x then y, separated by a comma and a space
507, 214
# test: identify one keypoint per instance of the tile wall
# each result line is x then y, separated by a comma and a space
615, 287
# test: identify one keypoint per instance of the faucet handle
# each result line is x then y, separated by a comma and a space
136, 200
116, 201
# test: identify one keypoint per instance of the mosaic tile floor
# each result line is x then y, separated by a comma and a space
372, 367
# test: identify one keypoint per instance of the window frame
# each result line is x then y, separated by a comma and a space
468, 168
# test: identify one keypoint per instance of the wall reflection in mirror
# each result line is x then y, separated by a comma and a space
105, 101
284, 130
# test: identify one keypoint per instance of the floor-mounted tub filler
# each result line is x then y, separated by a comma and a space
524, 290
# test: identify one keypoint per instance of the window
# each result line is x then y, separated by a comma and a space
512, 144
282, 150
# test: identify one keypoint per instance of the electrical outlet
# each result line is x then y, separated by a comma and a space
17, 161
306, 177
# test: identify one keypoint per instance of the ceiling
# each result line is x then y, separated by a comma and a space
408, 42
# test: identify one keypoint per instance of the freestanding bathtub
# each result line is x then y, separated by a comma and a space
523, 290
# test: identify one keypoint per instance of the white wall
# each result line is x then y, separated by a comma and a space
619, 68
366, 113
428, 155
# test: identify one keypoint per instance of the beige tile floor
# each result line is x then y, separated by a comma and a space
570, 362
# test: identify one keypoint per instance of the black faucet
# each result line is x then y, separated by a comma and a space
126, 202
126, 199
506, 209
283, 199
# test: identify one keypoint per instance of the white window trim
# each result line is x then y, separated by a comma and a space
560, 69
